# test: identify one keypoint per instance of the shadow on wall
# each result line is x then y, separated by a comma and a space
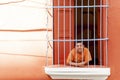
14, 67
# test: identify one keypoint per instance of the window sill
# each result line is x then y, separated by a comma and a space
67, 72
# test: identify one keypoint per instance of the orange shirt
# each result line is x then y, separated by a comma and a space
79, 57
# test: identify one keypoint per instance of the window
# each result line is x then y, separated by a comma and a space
74, 21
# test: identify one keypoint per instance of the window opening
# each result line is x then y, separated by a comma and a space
83, 21
80, 20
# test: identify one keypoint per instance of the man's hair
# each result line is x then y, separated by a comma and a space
78, 42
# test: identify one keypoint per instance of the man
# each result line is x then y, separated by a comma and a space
79, 56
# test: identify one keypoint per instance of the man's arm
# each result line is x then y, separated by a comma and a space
77, 64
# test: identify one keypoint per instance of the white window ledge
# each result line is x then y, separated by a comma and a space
67, 72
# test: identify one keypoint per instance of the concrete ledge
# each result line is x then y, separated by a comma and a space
67, 72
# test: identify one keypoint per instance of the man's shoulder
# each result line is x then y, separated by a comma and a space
73, 50
86, 49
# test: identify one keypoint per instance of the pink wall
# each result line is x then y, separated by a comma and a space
16, 67
114, 39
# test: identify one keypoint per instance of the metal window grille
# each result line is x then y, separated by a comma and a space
79, 20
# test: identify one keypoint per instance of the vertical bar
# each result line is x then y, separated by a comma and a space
70, 22
47, 54
47, 36
106, 33
64, 32
100, 33
82, 26
52, 28
94, 35
88, 29
76, 26
58, 33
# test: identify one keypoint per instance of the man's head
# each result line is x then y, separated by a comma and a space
79, 47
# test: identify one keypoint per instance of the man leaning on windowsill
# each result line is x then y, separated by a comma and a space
79, 56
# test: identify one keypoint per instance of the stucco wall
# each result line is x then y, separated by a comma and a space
114, 39
22, 51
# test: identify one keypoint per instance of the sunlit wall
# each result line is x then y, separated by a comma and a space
23, 34
17, 17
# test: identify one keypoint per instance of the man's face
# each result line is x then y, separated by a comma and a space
79, 47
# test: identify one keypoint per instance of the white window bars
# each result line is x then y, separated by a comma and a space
79, 22
90, 27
